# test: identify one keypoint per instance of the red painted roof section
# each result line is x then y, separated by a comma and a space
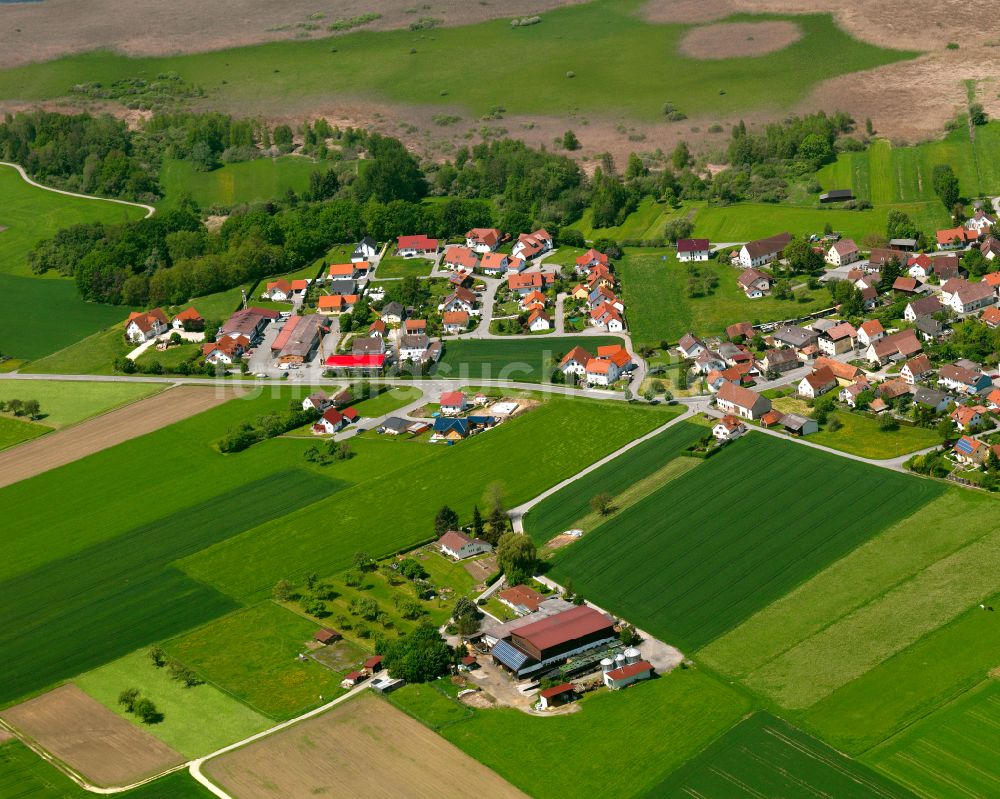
630, 670
555, 690
341, 361
565, 626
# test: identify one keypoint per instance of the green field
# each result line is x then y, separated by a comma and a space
14, 431
952, 753
184, 710
251, 655
558, 512
764, 756
657, 305
40, 316
235, 184
522, 360
394, 266
645, 222
431, 705
649, 70
694, 568
248, 566
124, 592
64, 402
93, 355
886, 174
25, 775
392, 399
633, 738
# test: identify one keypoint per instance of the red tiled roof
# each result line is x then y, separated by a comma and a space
630, 670
452, 399
419, 242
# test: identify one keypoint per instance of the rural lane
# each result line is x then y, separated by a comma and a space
150, 210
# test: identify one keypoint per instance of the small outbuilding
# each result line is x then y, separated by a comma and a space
556, 695
326, 636
628, 674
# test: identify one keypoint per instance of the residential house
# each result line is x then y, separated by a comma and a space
590, 259
693, 249
317, 401
453, 403
755, 284
373, 345
516, 265
992, 279
920, 266
991, 317
142, 327
345, 287
454, 322
521, 599
818, 383
932, 398
377, 328
930, 329
728, 428
947, 266
227, 350
970, 451
531, 245
963, 379
413, 348
842, 371
905, 285
741, 402
189, 320
870, 332
990, 248
839, 338
917, 369
964, 297
967, 417
780, 360
980, 222
925, 306
461, 299
795, 336
336, 303
740, 330
416, 246
394, 426
602, 372
366, 250
456, 544
709, 361
763, 251
898, 346
690, 347
532, 300
609, 317
575, 362
342, 271
849, 394
483, 239
993, 400
843, 252
458, 257
957, 238
393, 313
528, 282
539, 321
278, 291
880, 256
494, 264
893, 389
414, 327
330, 421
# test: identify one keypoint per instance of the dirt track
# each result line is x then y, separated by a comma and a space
78, 730
62, 447
365, 747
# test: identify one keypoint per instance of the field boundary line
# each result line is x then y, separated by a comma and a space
149, 209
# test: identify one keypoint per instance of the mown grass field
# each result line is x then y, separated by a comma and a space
558, 512
251, 655
649, 71
14, 431
391, 399
885, 174
64, 402
40, 316
658, 724
185, 710
92, 355
765, 756
362, 517
395, 266
523, 360
952, 753
124, 592
235, 184
692, 571
431, 704
658, 308
25, 775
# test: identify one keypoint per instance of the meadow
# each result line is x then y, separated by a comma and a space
14, 431
551, 76
251, 655
395, 266
691, 571
558, 512
431, 704
184, 710
886, 174
25, 775
91, 355
645, 222
658, 308
40, 316
64, 403
950, 753
324, 537
765, 756
123, 591
522, 360
658, 724
235, 184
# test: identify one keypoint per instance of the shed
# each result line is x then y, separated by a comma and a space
836, 196
557, 695
326, 636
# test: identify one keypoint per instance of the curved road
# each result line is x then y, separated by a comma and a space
150, 210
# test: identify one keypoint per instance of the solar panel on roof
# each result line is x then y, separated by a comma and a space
510, 656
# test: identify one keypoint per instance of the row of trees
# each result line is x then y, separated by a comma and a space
30, 408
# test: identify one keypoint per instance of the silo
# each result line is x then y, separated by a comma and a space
632, 655
619, 660
607, 665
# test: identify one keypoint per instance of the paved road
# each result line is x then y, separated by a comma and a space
150, 210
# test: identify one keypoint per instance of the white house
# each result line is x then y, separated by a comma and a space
366, 250
741, 402
144, 326
602, 372
416, 246
539, 321
728, 428
843, 252
330, 422
870, 332
453, 403
964, 297
413, 347
458, 545
531, 245
575, 362
763, 251
482, 240
817, 383
693, 249
754, 284
980, 222
690, 347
